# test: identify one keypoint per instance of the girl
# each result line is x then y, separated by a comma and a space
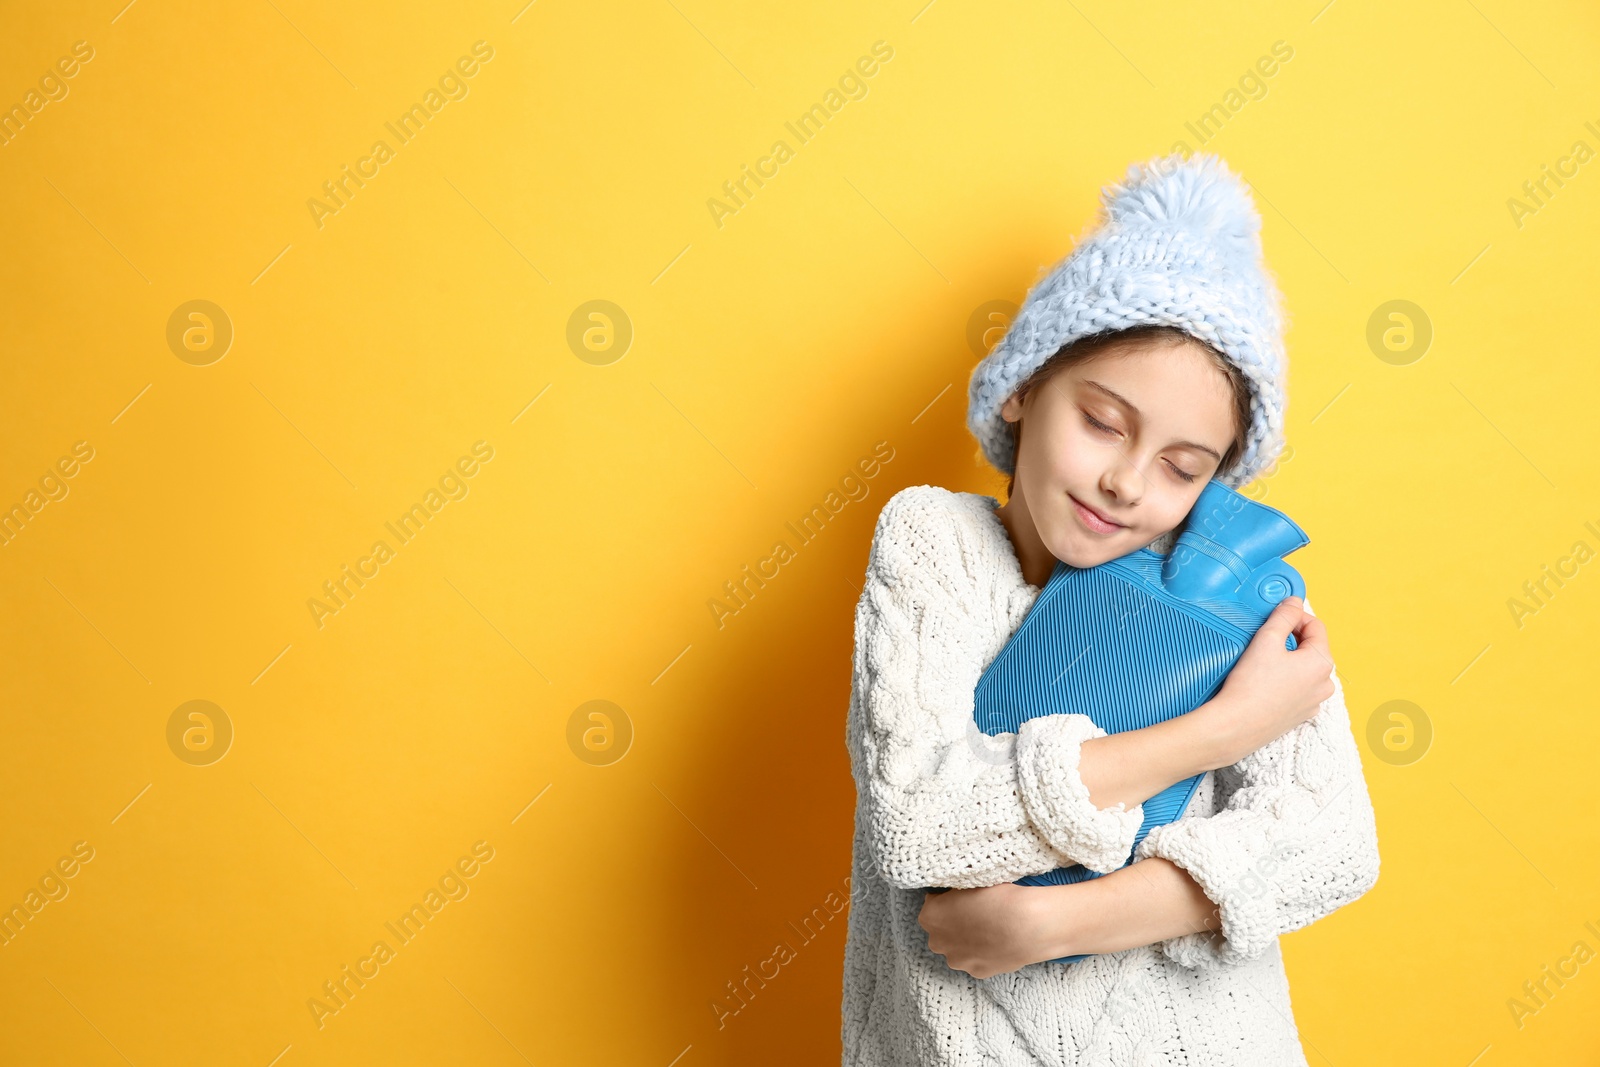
1146, 363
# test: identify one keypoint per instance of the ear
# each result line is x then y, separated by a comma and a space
1011, 410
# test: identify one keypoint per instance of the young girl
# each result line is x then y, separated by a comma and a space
1146, 363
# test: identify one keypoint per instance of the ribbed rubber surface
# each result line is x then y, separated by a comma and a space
1104, 643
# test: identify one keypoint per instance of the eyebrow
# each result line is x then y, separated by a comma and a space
1131, 406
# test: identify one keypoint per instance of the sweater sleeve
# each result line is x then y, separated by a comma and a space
939, 802
1296, 840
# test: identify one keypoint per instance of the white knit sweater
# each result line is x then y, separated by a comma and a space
1278, 840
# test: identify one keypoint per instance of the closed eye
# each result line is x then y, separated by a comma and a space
1097, 424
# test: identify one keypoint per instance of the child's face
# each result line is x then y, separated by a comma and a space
1167, 412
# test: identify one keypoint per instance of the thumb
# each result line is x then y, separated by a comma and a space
1285, 617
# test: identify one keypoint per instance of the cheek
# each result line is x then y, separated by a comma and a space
1061, 455
1174, 507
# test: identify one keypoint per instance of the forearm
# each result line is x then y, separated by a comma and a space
1141, 904
1296, 841
1133, 766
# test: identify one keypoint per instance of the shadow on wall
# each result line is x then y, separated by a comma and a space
755, 952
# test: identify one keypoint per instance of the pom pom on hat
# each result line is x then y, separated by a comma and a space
1178, 244
1201, 199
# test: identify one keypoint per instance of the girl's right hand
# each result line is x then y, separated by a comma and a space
1271, 690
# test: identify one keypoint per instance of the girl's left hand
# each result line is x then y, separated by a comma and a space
993, 930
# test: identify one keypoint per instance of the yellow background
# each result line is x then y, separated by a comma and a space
769, 354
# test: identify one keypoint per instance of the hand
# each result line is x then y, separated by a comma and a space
992, 930
1271, 690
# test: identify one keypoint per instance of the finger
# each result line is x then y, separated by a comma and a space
1284, 618
1312, 632
1313, 635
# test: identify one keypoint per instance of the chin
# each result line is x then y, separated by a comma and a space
1077, 553
1100, 557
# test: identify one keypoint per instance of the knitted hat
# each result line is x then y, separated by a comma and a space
1177, 244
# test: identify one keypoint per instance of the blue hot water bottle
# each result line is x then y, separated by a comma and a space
1145, 638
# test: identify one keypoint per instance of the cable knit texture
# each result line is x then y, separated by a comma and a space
1178, 243
1277, 841
1047, 772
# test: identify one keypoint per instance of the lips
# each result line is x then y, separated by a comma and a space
1093, 519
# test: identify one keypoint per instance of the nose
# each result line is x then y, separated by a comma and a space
1123, 482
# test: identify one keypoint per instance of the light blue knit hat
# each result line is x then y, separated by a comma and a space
1177, 244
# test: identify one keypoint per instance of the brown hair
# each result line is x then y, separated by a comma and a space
1082, 348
